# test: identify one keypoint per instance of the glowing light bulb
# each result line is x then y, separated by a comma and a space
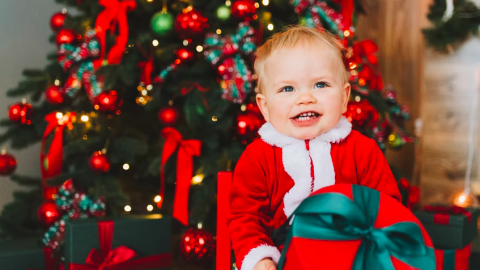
219, 31
57, 82
149, 208
185, 42
127, 208
200, 225
357, 98
197, 179
84, 118
126, 166
270, 27
157, 199
228, 3
199, 48
59, 115
265, 2
155, 42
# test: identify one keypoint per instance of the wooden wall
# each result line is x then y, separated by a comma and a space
395, 26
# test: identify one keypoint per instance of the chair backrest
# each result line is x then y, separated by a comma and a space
224, 253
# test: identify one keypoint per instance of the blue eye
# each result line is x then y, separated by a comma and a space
321, 85
287, 89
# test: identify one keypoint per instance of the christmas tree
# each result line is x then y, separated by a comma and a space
146, 101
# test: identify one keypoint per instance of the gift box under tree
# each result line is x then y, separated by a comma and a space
453, 259
121, 243
354, 227
450, 227
22, 254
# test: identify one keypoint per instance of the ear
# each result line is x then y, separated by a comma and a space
346, 96
262, 104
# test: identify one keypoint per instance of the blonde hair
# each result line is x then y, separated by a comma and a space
289, 38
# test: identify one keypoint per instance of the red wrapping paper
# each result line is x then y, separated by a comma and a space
460, 257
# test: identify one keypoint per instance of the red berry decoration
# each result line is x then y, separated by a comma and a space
21, 113
65, 36
184, 54
54, 95
190, 24
99, 162
58, 20
244, 9
197, 245
168, 116
48, 213
108, 101
8, 164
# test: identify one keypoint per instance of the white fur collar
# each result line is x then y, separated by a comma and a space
271, 136
296, 160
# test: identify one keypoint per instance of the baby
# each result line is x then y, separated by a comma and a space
305, 145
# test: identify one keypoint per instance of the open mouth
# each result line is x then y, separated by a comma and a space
306, 117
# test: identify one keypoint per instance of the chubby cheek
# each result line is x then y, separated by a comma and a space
278, 111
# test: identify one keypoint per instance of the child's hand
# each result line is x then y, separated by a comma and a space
265, 264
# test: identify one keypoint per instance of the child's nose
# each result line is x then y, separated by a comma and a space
305, 98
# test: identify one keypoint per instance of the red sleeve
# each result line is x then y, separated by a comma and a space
373, 170
249, 222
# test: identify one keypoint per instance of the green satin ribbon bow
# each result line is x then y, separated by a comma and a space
333, 216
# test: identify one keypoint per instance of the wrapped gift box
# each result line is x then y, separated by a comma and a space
453, 259
21, 255
354, 227
450, 228
122, 243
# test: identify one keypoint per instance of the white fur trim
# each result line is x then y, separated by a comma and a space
296, 160
259, 253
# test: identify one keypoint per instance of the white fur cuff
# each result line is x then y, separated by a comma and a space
259, 253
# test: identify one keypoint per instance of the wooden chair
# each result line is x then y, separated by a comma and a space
224, 253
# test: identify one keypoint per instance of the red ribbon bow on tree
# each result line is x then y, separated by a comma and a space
118, 258
442, 213
186, 150
51, 161
115, 12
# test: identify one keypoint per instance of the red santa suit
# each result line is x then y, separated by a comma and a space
275, 174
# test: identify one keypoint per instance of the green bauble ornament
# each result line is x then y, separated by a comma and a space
223, 13
162, 22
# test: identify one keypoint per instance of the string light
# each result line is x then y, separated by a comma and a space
56, 82
149, 1
84, 118
357, 98
199, 48
59, 115
270, 27
265, 2
228, 3
214, 118
243, 107
127, 208
157, 199
149, 87
126, 166
197, 179
149, 208
219, 31
199, 225
155, 42
346, 33
257, 5
185, 42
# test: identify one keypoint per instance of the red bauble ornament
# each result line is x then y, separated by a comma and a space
99, 162
244, 9
190, 24
48, 213
54, 95
65, 36
8, 164
21, 113
362, 113
168, 116
14, 112
57, 21
184, 54
197, 245
108, 101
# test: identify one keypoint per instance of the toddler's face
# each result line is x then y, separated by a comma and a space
303, 92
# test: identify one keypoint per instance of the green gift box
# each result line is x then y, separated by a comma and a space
449, 227
21, 255
121, 243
